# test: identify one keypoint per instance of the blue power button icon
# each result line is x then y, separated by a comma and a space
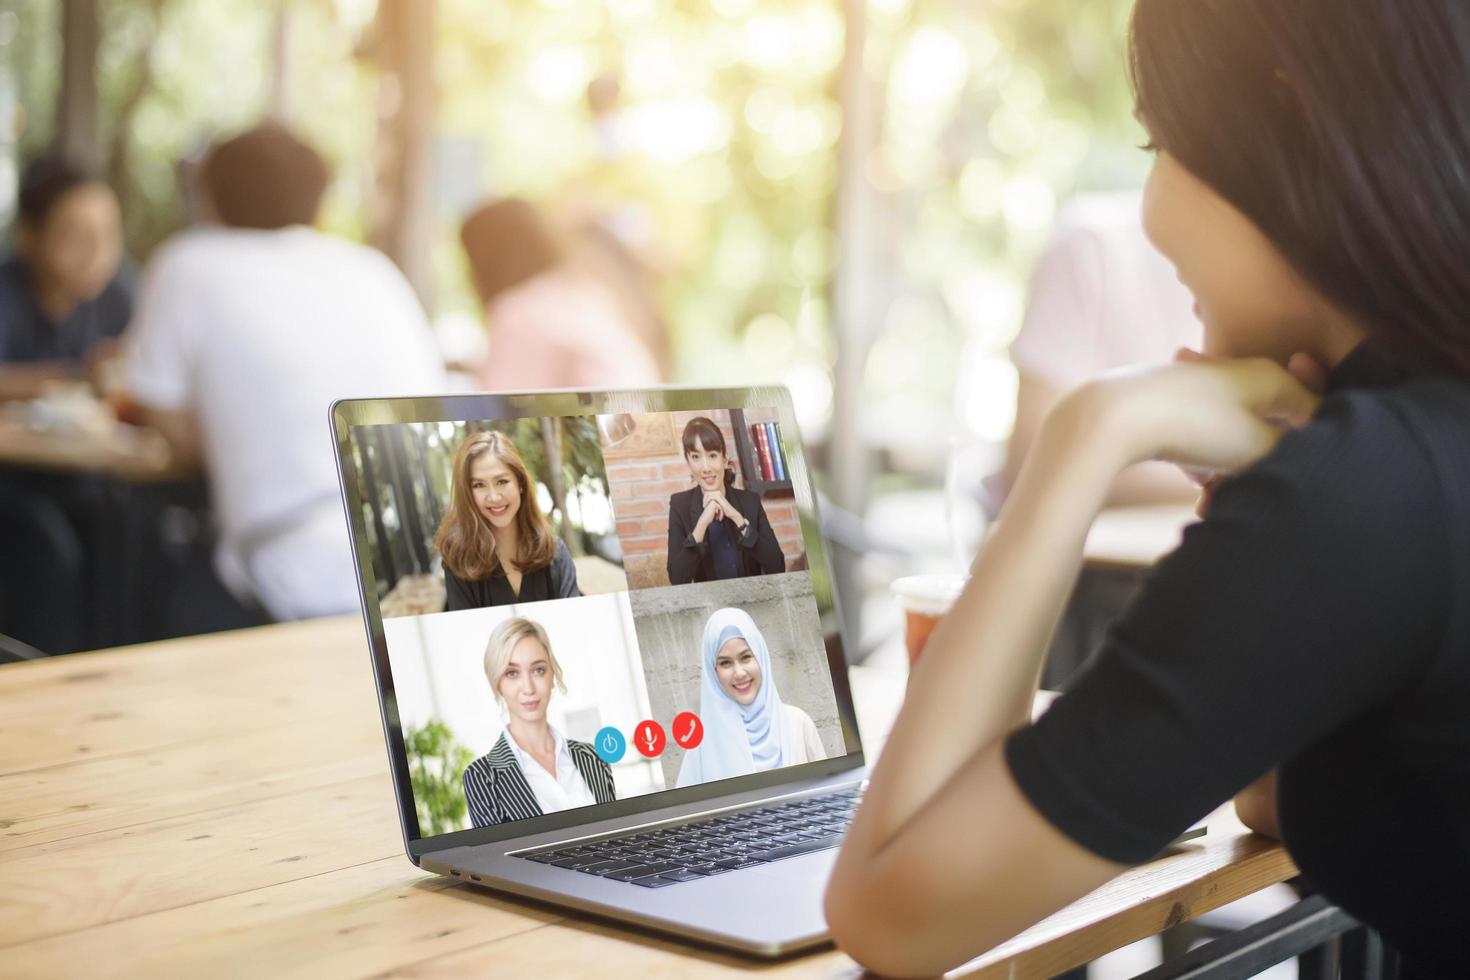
610, 745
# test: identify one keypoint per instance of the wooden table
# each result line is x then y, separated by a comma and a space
127, 452
221, 806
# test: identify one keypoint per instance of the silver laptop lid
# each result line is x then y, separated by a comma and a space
667, 632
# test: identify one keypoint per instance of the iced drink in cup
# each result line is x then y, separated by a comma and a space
925, 599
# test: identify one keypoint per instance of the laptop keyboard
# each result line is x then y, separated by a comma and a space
714, 846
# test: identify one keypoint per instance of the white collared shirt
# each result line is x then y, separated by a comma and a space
567, 789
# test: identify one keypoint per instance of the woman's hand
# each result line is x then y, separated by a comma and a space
709, 515
727, 510
1304, 367
1211, 415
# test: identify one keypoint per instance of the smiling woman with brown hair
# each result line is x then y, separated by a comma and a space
497, 546
1309, 642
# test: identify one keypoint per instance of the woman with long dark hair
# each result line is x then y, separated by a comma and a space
1307, 648
716, 529
496, 545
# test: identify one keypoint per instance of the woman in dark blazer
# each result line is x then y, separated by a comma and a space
717, 531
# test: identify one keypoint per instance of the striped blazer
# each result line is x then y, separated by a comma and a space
496, 789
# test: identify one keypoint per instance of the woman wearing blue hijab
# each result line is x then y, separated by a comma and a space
747, 727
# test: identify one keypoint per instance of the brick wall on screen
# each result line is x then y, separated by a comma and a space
641, 487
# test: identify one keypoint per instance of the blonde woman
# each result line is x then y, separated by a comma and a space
533, 769
496, 545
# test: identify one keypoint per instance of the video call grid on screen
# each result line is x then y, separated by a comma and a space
626, 639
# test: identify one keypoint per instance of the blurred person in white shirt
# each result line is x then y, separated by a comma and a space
246, 330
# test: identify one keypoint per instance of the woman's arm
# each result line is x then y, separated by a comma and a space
913, 859
478, 795
759, 535
684, 552
457, 593
1256, 806
564, 574
1144, 483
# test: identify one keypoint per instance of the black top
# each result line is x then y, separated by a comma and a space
556, 581
1318, 621
694, 561
27, 335
724, 549
496, 790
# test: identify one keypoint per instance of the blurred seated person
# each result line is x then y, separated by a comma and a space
1102, 297
554, 319
64, 296
246, 331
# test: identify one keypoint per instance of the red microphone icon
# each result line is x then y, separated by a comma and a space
649, 738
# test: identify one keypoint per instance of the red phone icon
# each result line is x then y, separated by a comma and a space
649, 738
688, 730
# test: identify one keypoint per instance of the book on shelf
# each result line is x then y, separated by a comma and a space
778, 454
761, 442
770, 456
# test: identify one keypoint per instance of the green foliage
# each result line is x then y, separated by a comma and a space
436, 765
720, 163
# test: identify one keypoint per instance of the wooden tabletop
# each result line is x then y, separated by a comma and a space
125, 451
221, 806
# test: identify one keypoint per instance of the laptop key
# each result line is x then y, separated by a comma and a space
577, 863
545, 857
735, 864
610, 867
683, 874
803, 847
709, 869
657, 881
641, 871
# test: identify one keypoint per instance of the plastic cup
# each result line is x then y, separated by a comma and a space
925, 599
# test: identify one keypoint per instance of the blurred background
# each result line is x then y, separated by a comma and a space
845, 196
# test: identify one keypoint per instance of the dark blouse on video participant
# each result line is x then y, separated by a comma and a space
1350, 544
716, 530
493, 515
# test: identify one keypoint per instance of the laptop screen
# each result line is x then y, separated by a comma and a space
575, 610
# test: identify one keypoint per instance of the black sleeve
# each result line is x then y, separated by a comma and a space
563, 574
457, 593
1316, 590
760, 536
685, 553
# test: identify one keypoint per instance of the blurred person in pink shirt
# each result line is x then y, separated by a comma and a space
1102, 297
563, 311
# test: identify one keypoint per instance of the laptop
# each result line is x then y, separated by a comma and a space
650, 720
